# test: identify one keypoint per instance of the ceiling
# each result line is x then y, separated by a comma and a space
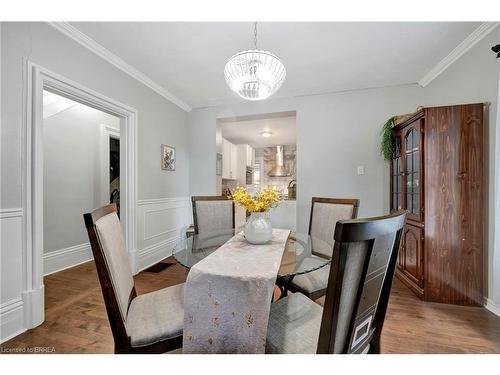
188, 58
54, 104
248, 131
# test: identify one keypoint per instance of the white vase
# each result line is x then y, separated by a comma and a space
258, 229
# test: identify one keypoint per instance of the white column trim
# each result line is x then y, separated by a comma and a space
494, 286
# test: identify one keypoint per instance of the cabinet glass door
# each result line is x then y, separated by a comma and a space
397, 175
412, 154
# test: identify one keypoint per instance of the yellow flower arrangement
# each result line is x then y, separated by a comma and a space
262, 202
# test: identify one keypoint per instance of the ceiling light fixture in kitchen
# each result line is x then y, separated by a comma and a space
266, 134
254, 74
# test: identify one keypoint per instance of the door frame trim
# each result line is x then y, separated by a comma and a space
38, 78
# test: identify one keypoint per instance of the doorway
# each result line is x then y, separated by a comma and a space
71, 173
259, 152
114, 172
38, 80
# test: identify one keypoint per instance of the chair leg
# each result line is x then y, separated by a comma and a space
375, 344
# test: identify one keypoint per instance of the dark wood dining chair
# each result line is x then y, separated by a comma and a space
212, 213
146, 323
359, 284
325, 213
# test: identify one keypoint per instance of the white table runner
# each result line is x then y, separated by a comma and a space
228, 294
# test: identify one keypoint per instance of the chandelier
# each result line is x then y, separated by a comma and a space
254, 74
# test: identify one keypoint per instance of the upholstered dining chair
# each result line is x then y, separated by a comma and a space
325, 213
212, 214
359, 284
146, 323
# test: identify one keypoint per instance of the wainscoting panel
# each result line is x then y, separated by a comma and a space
11, 304
11, 319
160, 224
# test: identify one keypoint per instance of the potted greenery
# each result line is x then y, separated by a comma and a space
258, 229
386, 144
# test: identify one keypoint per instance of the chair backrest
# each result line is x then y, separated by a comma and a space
361, 273
113, 268
325, 213
212, 213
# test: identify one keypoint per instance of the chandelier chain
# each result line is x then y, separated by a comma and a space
255, 34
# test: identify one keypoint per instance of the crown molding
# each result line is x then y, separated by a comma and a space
110, 57
478, 34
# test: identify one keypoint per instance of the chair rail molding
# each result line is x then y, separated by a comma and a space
477, 35
37, 79
89, 43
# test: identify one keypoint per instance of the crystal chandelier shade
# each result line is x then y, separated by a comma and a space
254, 74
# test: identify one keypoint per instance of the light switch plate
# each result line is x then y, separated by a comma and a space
361, 170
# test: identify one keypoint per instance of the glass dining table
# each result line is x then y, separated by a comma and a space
298, 257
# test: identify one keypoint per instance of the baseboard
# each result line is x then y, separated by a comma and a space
11, 319
34, 306
491, 306
55, 261
153, 254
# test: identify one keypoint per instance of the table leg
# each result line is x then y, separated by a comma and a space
283, 284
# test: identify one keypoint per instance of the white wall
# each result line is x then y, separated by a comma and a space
159, 121
72, 182
335, 134
339, 131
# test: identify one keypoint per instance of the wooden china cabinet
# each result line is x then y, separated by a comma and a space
437, 175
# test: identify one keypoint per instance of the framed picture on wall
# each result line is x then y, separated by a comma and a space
167, 158
218, 165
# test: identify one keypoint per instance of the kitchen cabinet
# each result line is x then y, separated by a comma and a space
246, 158
437, 176
250, 156
229, 159
226, 158
234, 162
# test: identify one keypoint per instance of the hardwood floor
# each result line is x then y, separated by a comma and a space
76, 320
